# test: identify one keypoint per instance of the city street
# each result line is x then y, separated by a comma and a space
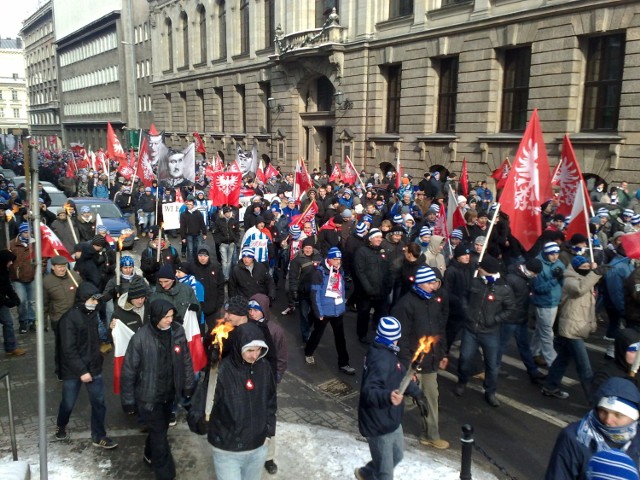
518, 436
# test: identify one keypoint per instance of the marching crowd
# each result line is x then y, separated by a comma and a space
369, 248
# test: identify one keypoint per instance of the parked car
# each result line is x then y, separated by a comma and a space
110, 215
8, 173
58, 198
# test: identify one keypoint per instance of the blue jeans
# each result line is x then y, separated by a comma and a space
542, 340
568, 348
521, 334
95, 389
27, 295
239, 465
7, 329
227, 251
192, 247
304, 312
147, 220
490, 344
386, 452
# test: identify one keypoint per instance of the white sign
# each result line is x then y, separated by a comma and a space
171, 215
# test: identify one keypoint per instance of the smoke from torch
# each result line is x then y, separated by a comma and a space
220, 333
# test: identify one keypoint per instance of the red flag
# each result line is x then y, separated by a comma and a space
225, 188
350, 174
52, 246
114, 148
71, 168
125, 168
260, 172
101, 163
336, 174
306, 216
440, 228
398, 173
219, 165
234, 167
464, 178
121, 337
271, 172
579, 222
209, 170
631, 244
108, 237
179, 195
455, 219
568, 177
501, 173
194, 340
199, 143
528, 185
145, 170
302, 181
153, 130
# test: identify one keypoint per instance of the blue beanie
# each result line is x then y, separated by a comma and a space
361, 229
334, 252
389, 329
577, 261
248, 252
127, 261
85, 209
425, 231
424, 275
611, 465
457, 233
398, 219
551, 248
24, 227
255, 305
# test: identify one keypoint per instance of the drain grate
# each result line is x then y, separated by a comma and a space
337, 389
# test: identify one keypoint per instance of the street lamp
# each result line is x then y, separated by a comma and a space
274, 106
342, 102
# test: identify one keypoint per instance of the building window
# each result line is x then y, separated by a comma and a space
447, 95
184, 21
323, 10
202, 17
265, 89
603, 82
219, 94
400, 8
515, 89
169, 31
393, 76
16, 113
14, 95
244, 27
325, 94
222, 31
270, 22
200, 110
243, 107
1, 112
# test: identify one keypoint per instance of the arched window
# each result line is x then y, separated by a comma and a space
169, 31
184, 23
202, 20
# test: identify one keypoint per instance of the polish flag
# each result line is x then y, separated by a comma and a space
234, 167
501, 174
114, 148
464, 178
121, 336
52, 246
225, 189
455, 219
579, 222
398, 173
440, 228
271, 172
194, 340
108, 238
336, 174
307, 216
350, 174
200, 148
568, 177
145, 170
302, 181
260, 172
219, 164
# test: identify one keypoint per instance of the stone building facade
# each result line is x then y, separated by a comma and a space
42, 77
13, 91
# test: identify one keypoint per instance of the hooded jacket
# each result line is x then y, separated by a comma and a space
180, 295
301, 270
434, 257
619, 366
577, 309
79, 341
149, 264
245, 402
157, 364
211, 277
278, 339
547, 289
132, 317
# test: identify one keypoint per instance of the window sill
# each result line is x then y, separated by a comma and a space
168, 72
184, 68
242, 56
395, 22
385, 137
219, 61
238, 136
266, 51
501, 138
451, 9
594, 137
438, 137
200, 64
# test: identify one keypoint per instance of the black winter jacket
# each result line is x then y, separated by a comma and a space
632, 299
141, 379
211, 277
79, 340
382, 373
352, 245
408, 272
246, 283
457, 280
301, 271
521, 287
8, 296
192, 223
150, 266
226, 230
488, 306
372, 270
395, 256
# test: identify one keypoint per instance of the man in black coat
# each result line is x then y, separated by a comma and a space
226, 233
208, 272
191, 226
301, 270
81, 363
249, 277
457, 279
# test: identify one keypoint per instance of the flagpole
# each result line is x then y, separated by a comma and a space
486, 241
586, 219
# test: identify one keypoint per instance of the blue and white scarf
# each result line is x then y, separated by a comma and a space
592, 430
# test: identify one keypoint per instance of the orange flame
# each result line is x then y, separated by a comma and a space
220, 333
424, 346
68, 208
122, 238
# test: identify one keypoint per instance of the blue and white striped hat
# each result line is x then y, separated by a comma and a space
457, 233
367, 218
295, 231
102, 229
397, 218
635, 220
425, 231
424, 275
611, 465
389, 328
361, 229
628, 212
551, 248
24, 227
248, 252
85, 209
435, 208
334, 252
602, 212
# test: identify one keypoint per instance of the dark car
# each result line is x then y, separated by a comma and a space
107, 213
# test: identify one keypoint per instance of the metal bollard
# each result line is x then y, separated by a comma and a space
467, 442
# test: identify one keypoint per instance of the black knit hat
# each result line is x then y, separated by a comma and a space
167, 271
99, 240
237, 305
533, 265
490, 264
137, 289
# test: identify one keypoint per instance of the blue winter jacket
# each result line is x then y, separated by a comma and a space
620, 269
100, 191
546, 289
322, 305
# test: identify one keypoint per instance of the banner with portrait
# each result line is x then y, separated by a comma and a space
178, 168
158, 150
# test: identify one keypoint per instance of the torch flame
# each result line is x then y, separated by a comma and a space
220, 333
123, 236
424, 346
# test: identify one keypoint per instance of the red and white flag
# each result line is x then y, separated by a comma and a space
455, 219
145, 170
200, 148
194, 340
568, 177
336, 174
219, 164
125, 168
260, 172
464, 178
501, 174
114, 148
579, 222
302, 180
225, 189
99, 223
440, 228
209, 170
121, 337
350, 174
101, 163
234, 167
72, 169
398, 173
271, 172
52, 246
528, 185
308, 215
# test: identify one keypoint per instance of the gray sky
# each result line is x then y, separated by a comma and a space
12, 17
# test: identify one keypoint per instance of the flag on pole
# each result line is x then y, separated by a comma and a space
528, 185
194, 340
302, 180
579, 222
99, 223
631, 244
125, 168
121, 337
114, 148
464, 178
398, 172
189, 162
308, 215
226, 188
219, 164
501, 174
271, 172
71, 168
440, 228
568, 177
52, 246
336, 173
350, 174
260, 172
234, 167
200, 148
145, 170
455, 219
101, 163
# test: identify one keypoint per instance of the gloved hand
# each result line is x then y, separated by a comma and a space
557, 273
421, 403
214, 353
129, 409
193, 307
601, 269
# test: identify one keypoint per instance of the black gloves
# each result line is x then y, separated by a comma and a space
214, 353
129, 409
557, 273
193, 307
421, 403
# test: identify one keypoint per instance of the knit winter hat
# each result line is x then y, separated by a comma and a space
480, 240
397, 218
167, 271
24, 227
534, 265
424, 275
375, 232
237, 305
99, 241
457, 233
334, 252
611, 465
295, 231
425, 231
551, 248
137, 289
254, 305
460, 250
367, 218
577, 238
102, 229
628, 212
85, 209
602, 212
127, 261
577, 261
308, 242
434, 209
389, 328
259, 219
635, 220
490, 265
346, 213
361, 229
248, 252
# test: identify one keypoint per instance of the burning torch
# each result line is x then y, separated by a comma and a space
219, 334
68, 209
424, 346
127, 232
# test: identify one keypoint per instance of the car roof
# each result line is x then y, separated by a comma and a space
81, 200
